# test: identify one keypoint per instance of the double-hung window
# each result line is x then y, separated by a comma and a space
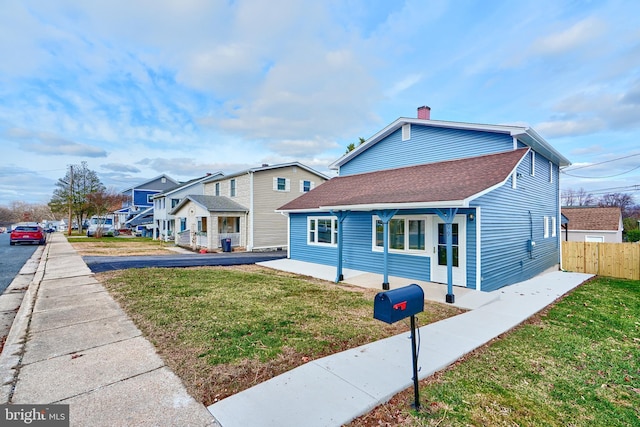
281, 184
232, 188
322, 230
406, 234
306, 186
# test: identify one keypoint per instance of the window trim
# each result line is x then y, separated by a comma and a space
545, 227
334, 230
286, 182
550, 171
311, 185
406, 250
406, 131
553, 226
217, 189
533, 163
232, 188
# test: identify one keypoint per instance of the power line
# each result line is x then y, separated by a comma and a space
606, 161
600, 177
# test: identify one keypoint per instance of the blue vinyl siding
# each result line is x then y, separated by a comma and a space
510, 217
358, 254
427, 145
140, 197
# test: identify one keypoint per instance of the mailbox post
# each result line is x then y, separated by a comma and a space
397, 304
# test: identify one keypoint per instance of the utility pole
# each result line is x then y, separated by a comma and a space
70, 198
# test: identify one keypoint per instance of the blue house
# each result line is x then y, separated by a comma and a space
139, 198
464, 204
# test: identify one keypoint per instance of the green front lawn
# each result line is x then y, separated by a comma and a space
576, 364
223, 330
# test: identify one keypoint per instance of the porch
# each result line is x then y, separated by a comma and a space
200, 240
465, 298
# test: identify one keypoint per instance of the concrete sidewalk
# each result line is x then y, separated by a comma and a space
71, 343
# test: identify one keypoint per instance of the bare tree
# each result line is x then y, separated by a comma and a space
581, 197
622, 200
103, 202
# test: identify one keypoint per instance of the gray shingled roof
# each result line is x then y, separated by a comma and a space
449, 181
213, 203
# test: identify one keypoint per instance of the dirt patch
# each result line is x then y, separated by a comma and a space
97, 247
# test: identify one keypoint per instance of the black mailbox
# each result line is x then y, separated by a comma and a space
397, 304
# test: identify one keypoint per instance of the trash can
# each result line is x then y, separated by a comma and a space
226, 245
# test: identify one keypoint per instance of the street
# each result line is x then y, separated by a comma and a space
12, 258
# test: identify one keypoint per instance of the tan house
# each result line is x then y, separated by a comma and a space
592, 224
242, 207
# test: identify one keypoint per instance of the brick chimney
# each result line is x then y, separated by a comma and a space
424, 113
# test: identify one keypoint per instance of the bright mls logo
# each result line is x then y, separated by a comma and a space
34, 415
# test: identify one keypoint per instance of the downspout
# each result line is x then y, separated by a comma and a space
249, 231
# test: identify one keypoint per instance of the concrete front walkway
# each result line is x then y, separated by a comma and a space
71, 343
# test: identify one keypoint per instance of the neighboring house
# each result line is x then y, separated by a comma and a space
140, 197
163, 203
593, 224
141, 224
242, 207
465, 204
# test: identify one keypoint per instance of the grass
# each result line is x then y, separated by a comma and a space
575, 364
223, 330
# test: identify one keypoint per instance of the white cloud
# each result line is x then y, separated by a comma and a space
576, 36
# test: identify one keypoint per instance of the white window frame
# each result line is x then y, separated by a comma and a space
311, 185
546, 226
286, 182
550, 171
553, 226
334, 230
406, 131
533, 162
217, 189
150, 198
232, 188
406, 250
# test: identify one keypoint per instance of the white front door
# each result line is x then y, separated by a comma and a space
439, 250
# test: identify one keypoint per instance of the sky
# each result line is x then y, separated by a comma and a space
142, 88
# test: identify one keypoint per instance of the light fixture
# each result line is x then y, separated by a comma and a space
471, 217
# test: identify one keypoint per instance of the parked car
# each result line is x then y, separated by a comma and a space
27, 233
104, 224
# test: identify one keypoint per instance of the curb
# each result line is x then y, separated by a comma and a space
13, 349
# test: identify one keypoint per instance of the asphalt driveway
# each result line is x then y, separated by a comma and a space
99, 264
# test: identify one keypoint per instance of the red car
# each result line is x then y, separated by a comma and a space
27, 233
